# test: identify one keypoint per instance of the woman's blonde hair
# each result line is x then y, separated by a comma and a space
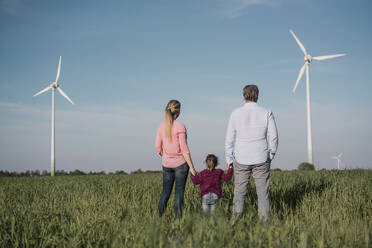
211, 161
172, 111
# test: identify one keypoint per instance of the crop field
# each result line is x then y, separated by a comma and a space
308, 209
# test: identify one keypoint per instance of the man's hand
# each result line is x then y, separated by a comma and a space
271, 155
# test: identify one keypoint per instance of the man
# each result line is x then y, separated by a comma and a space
251, 144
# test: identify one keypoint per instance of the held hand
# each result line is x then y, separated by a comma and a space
161, 154
229, 165
189, 162
193, 171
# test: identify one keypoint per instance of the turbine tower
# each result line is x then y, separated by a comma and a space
308, 59
53, 86
338, 157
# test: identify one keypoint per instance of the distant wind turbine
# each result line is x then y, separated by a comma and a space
308, 59
53, 86
338, 157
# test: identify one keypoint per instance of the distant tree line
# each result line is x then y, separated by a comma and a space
306, 166
37, 173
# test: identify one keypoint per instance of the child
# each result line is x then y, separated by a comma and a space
210, 183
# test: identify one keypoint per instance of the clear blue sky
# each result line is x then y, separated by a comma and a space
123, 60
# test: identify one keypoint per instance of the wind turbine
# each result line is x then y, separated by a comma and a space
338, 157
53, 86
308, 59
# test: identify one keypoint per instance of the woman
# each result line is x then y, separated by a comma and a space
171, 145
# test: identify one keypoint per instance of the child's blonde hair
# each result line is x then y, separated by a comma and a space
211, 161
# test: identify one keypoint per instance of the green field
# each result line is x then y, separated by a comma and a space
308, 209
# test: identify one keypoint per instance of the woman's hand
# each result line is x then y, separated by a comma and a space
189, 162
193, 171
160, 153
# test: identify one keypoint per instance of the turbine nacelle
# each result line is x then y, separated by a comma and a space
54, 85
308, 58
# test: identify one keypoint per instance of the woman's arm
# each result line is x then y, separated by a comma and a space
185, 151
158, 143
189, 162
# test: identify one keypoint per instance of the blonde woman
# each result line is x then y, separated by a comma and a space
171, 145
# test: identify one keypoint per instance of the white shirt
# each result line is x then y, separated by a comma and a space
251, 134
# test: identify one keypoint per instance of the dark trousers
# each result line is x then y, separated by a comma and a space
171, 175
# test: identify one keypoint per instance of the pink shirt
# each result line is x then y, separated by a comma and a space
172, 151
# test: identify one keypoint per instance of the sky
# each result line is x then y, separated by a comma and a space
122, 61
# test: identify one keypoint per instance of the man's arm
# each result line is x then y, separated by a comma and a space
272, 136
230, 141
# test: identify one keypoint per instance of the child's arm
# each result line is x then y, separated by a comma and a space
227, 177
195, 179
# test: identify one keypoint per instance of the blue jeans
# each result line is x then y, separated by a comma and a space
178, 174
209, 202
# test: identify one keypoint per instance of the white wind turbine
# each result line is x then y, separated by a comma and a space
338, 157
53, 86
308, 59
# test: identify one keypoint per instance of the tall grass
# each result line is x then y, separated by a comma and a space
308, 209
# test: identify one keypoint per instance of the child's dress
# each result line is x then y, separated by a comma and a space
210, 186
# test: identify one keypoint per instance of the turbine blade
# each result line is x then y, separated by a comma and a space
59, 69
339, 155
328, 56
298, 42
42, 91
299, 77
64, 94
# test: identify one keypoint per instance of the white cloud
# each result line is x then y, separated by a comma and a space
235, 8
87, 138
20, 108
117, 138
